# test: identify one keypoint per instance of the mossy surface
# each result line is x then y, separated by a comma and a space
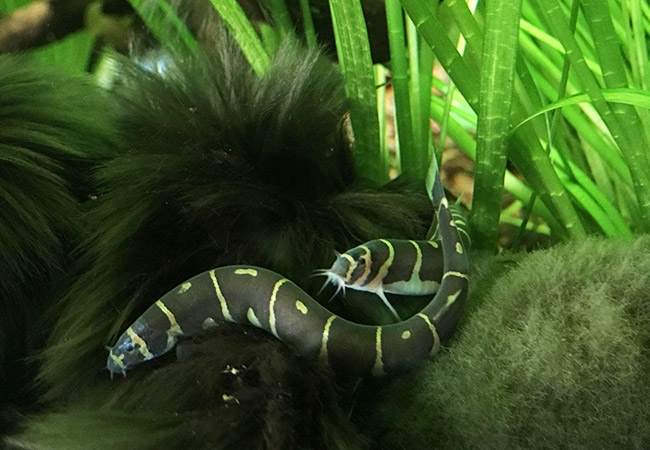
554, 354
53, 129
238, 389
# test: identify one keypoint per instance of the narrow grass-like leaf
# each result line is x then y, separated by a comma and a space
636, 160
308, 24
509, 219
281, 17
461, 110
380, 82
525, 195
541, 37
422, 13
443, 120
497, 81
270, 38
551, 125
244, 33
587, 130
608, 47
532, 160
465, 140
463, 137
590, 206
633, 97
470, 30
409, 161
421, 73
353, 51
528, 156
593, 201
638, 56
165, 24
562, 87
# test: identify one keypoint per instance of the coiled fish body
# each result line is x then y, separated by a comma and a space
264, 299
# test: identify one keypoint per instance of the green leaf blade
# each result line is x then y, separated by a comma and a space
353, 51
496, 89
244, 33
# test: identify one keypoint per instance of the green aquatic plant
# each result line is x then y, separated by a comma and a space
574, 167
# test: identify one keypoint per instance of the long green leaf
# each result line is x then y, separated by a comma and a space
165, 24
422, 13
526, 153
593, 201
380, 81
638, 55
281, 17
636, 160
421, 75
614, 68
353, 51
469, 28
408, 153
465, 141
308, 24
244, 33
589, 132
531, 159
497, 82
628, 96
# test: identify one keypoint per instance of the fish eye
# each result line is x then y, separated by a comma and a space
129, 348
363, 261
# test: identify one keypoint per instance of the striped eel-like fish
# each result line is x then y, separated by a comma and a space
394, 266
264, 299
